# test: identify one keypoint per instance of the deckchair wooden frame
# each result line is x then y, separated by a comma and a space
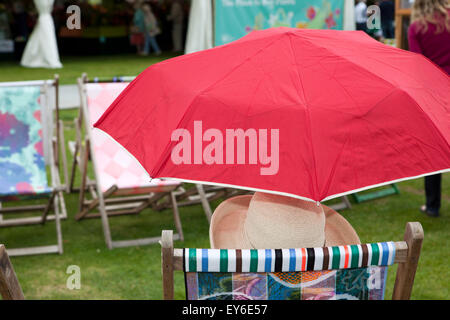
56, 202
114, 201
204, 194
9, 284
407, 253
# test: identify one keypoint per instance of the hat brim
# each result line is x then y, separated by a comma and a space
227, 226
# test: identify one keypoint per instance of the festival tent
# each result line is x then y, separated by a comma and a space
41, 50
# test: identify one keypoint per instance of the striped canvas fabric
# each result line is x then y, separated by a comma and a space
289, 260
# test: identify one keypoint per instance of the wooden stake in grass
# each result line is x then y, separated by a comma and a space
9, 284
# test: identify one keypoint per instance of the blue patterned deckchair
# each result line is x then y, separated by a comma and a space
26, 125
350, 272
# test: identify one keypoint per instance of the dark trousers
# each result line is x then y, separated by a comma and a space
388, 29
433, 192
361, 26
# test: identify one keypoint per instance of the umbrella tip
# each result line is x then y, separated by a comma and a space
318, 203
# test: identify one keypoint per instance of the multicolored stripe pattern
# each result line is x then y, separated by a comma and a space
289, 260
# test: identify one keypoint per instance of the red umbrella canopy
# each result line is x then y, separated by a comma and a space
313, 114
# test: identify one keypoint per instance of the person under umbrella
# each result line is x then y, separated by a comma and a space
269, 221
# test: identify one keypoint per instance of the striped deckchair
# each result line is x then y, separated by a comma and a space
120, 186
347, 272
30, 142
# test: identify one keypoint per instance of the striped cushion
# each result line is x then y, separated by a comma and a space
289, 260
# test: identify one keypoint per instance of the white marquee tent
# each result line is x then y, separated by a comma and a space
41, 50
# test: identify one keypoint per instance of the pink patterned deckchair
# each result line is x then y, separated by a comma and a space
29, 144
120, 186
347, 272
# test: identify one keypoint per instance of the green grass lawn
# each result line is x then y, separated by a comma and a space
135, 272
107, 66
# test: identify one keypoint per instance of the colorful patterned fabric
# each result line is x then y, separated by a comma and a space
346, 284
340, 272
22, 164
115, 165
289, 260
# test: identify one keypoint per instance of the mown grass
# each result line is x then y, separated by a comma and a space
106, 66
135, 272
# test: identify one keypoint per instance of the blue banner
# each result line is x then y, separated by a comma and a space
235, 18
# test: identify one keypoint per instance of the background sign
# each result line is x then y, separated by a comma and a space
235, 18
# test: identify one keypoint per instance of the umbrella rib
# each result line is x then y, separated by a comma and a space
166, 153
315, 184
426, 116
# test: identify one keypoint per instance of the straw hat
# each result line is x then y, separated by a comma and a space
268, 221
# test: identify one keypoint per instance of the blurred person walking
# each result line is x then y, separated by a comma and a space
177, 17
151, 30
138, 28
387, 18
429, 34
361, 15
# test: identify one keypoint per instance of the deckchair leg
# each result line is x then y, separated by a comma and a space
176, 215
167, 263
76, 161
344, 204
83, 164
94, 203
407, 270
9, 285
75, 154
104, 217
56, 205
63, 154
205, 203
48, 207
63, 205
105, 225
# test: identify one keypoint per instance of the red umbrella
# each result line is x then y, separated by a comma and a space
313, 114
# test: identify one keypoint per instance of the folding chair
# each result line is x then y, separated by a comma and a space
204, 195
29, 142
120, 185
9, 284
350, 272
389, 190
343, 204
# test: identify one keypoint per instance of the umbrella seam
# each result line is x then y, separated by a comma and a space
315, 186
161, 163
347, 59
427, 116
